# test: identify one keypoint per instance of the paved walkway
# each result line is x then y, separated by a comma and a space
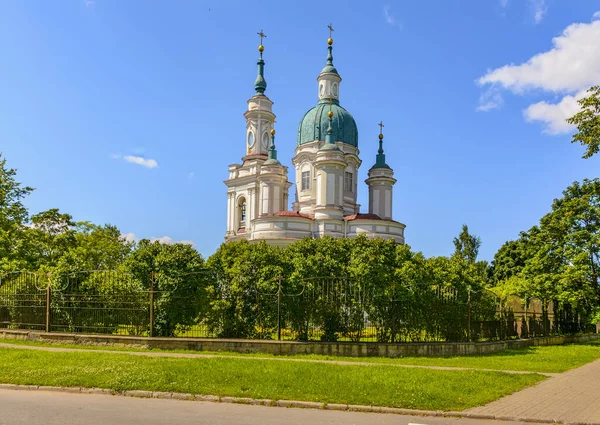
285, 359
54, 408
571, 397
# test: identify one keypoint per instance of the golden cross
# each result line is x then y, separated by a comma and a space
330, 30
261, 34
380, 127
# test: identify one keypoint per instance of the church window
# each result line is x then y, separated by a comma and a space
265, 141
348, 182
305, 180
242, 214
250, 139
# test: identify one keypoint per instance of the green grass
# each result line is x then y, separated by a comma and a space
331, 383
558, 358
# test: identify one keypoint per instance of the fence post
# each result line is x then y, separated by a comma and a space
48, 302
469, 313
501, 320
279, 279
152, 304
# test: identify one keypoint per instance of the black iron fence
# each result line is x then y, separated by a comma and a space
317, 309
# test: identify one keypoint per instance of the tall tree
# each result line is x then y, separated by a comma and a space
511, 258
180, 280
13, 217
588, 122
467, 245
96, 248
570, 236
52, 235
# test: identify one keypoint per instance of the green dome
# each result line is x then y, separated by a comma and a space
315, 122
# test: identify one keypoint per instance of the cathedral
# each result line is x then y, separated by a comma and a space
326, 165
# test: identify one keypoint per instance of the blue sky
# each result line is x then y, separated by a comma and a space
472, 94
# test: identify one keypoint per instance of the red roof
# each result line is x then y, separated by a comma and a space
288, 214
292, 214
361, 216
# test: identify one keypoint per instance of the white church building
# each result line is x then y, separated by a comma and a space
326, 166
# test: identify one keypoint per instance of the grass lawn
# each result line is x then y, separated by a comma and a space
557, 358
372, 385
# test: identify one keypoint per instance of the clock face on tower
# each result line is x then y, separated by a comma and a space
265, 140
250, 139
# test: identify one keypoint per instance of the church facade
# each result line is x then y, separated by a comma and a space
326, 164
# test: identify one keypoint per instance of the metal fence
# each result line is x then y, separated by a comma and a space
317, 309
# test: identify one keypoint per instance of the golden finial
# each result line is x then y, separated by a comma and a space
330, 114
272, 132
381, 130
262, 35
330, 40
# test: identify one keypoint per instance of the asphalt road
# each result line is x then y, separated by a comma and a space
20, 407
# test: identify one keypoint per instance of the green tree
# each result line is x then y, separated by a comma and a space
587, 121
51, 235
511, 258
180, 282
570, 244
96, 248
467, 245
13, 218
242, 295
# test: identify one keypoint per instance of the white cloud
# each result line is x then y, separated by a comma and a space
596, 15
490, 99
169, 241
539, 9
150, 163
389, 18
129, 237
132, 237
569, 68
554, 115
572, 64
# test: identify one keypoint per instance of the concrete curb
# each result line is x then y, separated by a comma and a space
347, 349
281, 403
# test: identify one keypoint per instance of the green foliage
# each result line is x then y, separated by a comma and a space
95, 248
177, 273
588, 122
242, 295
13, 218
330, 289
467, 246
50, 236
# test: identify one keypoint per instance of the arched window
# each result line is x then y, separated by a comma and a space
242, 212
265, 141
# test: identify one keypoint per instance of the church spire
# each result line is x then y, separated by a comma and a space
272, 151
260, 84
329, 79
380, 158
329, 67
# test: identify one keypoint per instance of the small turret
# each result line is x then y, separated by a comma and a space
272, 151
381, 181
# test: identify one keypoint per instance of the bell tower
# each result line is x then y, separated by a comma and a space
259, 116
258, 187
